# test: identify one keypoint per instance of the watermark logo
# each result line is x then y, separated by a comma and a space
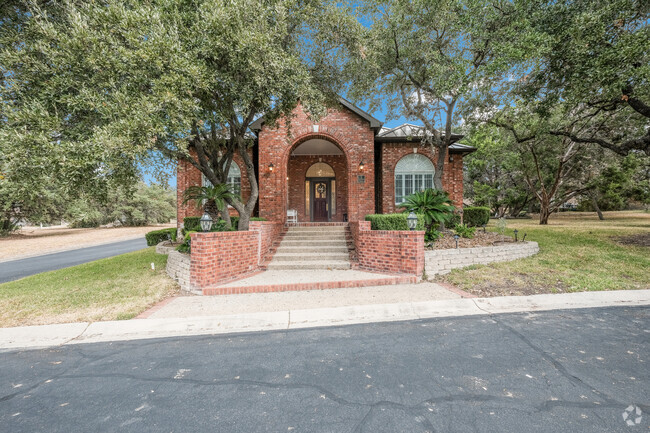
632, 415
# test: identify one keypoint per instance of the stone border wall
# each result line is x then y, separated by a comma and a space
396, 252
178, 267
443, 261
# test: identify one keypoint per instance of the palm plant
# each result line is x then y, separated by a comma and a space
211, 198
434, 204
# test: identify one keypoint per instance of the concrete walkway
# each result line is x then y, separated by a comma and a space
193, 322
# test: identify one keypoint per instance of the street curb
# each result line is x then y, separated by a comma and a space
31, 337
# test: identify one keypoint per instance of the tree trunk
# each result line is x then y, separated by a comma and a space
225, 216
594, 203
544, 211
440, 165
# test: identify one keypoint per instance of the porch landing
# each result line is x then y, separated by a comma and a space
293, 280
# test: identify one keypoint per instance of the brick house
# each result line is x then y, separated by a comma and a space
339, 169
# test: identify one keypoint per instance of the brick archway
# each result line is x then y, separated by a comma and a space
296, 192
343, 128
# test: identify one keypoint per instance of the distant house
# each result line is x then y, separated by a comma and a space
341, 168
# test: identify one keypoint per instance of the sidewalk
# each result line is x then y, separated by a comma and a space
187, 316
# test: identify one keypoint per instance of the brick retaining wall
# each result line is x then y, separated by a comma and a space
443, 261
398, 252
218, 257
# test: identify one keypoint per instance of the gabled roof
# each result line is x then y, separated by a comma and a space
408, 132
374, 123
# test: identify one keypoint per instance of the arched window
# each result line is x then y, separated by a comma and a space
413, 173
320, 169
234, 178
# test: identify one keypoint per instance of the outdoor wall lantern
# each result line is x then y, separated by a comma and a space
206, 222
516, 231
412, 220
361, 164
451, 158
456, 237
271, 167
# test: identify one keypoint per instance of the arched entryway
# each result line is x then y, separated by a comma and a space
317, 184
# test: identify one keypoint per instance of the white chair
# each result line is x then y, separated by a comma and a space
292, 216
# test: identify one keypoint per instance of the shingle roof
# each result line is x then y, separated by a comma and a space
408, 132
374, 123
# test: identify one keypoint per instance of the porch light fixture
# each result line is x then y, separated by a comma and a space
271, 167
206, 222
451, 158
361, 164
412, 221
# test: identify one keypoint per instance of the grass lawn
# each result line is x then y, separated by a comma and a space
116, 288
577, 253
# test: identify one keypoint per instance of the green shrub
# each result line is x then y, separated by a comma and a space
157, 236
191, 224
455, 220
185, 246
393, 221
432, 235
464, 231
476, 216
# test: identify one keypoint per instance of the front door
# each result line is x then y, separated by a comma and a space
320, 200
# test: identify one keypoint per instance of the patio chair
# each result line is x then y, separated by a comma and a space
292, 216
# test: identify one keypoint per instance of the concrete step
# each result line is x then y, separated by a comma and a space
319, 236
314, 243
288, 257
308, 248
331, 264
316, 229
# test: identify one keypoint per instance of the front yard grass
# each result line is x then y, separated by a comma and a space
577, 253
116, 288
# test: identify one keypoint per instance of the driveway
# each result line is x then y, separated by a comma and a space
21, 268
579, 370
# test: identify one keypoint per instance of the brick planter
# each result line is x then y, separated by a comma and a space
396, 252
443, 261
218, 257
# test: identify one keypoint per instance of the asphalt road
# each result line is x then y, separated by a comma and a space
21, 268
564, 371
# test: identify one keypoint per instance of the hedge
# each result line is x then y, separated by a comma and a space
476, 216
157, 236
393, 221
193, 224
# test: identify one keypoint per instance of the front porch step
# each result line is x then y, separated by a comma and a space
313, 236
313, 243
326, 257
317, 229
299, 264
308, 248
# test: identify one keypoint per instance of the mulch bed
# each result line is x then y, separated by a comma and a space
480, 239
637, 240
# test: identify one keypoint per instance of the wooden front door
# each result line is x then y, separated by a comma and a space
320, 200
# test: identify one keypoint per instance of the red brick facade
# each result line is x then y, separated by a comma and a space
358, 192
345, 129
391, 153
